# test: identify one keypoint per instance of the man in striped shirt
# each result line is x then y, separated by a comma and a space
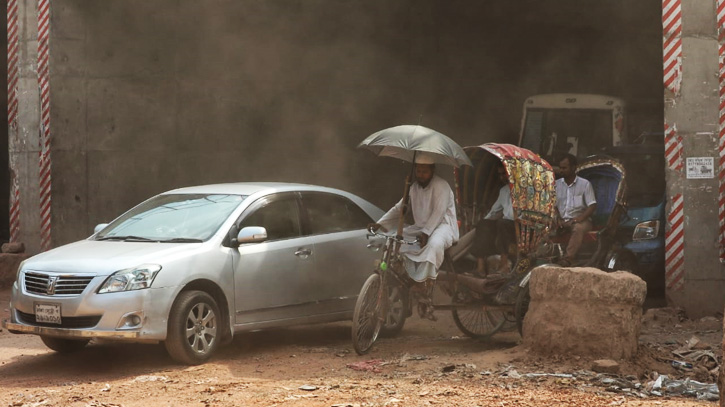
575, 204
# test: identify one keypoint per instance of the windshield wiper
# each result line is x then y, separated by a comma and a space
127, 238
182, 240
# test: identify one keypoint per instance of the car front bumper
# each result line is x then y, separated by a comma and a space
17, 328
110, 313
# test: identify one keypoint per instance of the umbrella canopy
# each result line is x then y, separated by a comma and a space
408, 141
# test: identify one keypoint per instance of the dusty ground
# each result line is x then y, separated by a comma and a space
430, 363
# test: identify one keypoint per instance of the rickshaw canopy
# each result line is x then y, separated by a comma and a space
531, 181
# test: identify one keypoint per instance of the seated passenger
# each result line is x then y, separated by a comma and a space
496, 231
575, 204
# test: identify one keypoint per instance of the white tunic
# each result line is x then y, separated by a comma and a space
434, 213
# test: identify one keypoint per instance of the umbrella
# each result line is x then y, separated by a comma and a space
405, 142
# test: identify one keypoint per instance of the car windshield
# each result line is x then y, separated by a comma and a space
173, 217
553, 132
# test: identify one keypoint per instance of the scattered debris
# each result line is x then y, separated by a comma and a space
678, 364
690, 388
557, 375
145, 378
367, 366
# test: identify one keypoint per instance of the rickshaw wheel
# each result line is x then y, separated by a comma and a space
367, 318
523, 298
397, 311
479, 323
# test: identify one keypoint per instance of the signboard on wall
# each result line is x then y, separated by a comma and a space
700, 167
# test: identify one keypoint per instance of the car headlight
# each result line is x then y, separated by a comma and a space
646, 230
136, 278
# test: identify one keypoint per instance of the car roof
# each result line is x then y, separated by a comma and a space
249, 188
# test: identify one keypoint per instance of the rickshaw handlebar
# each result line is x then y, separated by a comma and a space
398, 239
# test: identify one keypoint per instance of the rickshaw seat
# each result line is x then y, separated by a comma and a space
605, 183
460, 248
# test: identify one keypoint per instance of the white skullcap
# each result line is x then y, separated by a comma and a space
424, 158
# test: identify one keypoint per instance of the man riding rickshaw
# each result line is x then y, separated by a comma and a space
480, 305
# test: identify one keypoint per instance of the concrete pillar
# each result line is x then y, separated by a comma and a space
695, 276
23, 147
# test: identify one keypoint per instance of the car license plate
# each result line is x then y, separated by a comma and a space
47, 313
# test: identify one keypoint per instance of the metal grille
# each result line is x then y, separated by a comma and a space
38, 283
66, 322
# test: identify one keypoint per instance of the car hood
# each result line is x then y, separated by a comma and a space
105, 257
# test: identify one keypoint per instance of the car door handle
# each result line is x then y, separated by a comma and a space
304, 253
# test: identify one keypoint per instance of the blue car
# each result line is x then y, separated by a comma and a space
643, 229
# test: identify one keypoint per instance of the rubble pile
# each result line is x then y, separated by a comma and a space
584, 311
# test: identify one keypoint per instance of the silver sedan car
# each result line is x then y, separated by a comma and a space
193, 266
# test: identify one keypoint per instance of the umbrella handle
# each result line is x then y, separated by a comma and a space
404, 208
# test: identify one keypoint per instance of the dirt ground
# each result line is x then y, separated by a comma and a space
430, 363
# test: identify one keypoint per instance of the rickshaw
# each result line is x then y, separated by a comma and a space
480, 306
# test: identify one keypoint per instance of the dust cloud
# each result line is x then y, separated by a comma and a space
284, 90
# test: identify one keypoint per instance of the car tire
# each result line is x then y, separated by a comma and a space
194, 328
62, 345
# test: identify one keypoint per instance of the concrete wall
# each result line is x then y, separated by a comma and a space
695, 112
151, 95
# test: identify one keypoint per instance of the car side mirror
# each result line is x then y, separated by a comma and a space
99, 227
252, 234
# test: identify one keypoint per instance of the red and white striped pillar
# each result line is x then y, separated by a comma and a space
675, 231
44, 88
675, 245
721, 137
673, 148
672, 44
13, 44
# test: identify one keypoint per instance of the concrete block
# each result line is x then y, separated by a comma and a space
146, 46
221, 125
699, 18
69, 197
131, 115
68, 114
67, 59
605, 366
70, 19
584, 311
